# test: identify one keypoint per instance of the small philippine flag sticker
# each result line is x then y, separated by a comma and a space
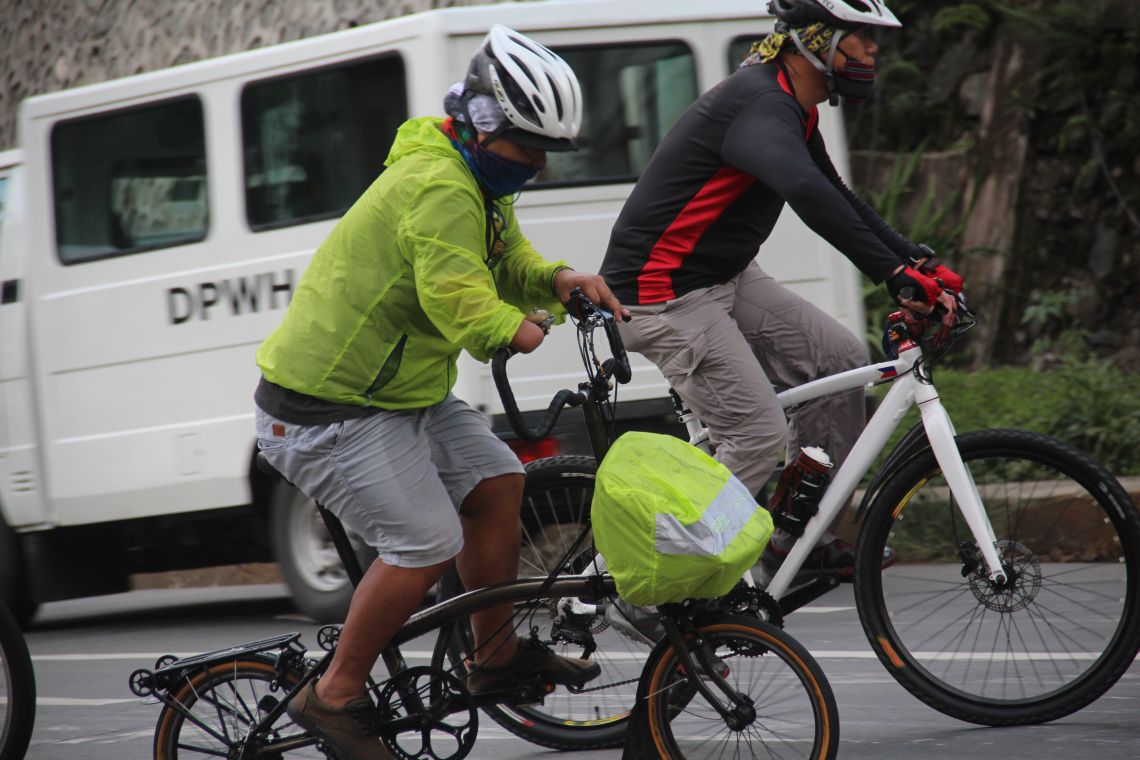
885, 372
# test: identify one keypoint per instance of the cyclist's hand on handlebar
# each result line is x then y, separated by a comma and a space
594, 288
921, 294
910, 288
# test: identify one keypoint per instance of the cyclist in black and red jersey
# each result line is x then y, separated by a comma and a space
682, 252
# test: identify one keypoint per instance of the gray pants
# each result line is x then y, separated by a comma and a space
722, 348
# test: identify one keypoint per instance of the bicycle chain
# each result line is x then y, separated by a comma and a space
606, 686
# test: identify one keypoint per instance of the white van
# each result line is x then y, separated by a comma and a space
153, 228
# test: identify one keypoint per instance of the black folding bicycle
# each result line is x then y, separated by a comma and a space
719, 676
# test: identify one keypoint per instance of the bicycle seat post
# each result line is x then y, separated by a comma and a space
343, 545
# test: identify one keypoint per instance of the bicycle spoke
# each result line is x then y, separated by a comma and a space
784, 723
1060, 618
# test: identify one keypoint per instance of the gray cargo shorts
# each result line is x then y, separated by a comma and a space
395, 478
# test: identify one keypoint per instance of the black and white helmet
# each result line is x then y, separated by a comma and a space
841, 13
536, 89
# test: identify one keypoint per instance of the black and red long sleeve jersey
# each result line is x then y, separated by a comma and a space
716, 185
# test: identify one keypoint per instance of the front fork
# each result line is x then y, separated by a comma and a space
940, 433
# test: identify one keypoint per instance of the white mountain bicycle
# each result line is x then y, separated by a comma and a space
1015, 597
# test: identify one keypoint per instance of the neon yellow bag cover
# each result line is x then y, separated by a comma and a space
672, 522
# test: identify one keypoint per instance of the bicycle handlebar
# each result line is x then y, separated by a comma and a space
588, 317
928, 329
562, 399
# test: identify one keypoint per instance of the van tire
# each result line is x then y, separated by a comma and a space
308, 560
14, 590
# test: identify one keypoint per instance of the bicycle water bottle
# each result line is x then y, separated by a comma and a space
799, 490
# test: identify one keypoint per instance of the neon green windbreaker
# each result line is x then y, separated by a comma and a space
401, 285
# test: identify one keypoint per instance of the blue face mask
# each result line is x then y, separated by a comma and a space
501, 177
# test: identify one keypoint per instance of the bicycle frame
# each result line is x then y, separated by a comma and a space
909, 387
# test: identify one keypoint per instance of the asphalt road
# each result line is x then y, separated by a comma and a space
84, 651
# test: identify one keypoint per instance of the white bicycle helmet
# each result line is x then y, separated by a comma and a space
536, 89
841, 13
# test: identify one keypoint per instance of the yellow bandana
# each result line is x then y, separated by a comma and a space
816, 38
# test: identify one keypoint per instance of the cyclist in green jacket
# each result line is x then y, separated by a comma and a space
355, 405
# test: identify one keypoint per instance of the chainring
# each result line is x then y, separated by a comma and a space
427, 714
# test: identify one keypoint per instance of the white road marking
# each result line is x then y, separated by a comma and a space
72, 702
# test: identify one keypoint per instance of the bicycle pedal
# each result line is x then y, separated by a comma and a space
532, 693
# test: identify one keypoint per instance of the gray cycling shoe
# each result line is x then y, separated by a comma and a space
532, 660
637, 623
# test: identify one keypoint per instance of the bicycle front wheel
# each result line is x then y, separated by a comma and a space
218, 708
1062, 630
792, 709
17, 690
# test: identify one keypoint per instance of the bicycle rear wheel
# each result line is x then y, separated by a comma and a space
795, 715
220, 706
1058, 635
17, 690
555, 509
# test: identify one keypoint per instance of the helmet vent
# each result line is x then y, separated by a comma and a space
536, 89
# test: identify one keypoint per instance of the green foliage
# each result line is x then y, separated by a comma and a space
961, 17
1047, 313
1087, 75
1100, 413
1071, 70
1091, 404
936, 221
922, 68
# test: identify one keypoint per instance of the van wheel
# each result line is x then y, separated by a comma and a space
308, 559
13, 580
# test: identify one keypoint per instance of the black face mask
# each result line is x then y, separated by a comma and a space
854, 81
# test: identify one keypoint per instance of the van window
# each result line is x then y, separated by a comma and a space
633, 95
130, 181
313, 142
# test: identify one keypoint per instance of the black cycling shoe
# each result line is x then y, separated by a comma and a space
835, 558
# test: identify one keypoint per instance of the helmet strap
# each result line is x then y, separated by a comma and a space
827, 69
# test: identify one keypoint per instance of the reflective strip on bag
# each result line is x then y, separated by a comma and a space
709, 536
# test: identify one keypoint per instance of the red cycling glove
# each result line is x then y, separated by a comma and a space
911, 285
936, 270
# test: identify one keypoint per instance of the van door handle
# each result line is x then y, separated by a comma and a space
10, 291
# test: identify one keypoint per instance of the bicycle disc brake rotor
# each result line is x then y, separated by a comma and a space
427, 714
1024, 571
